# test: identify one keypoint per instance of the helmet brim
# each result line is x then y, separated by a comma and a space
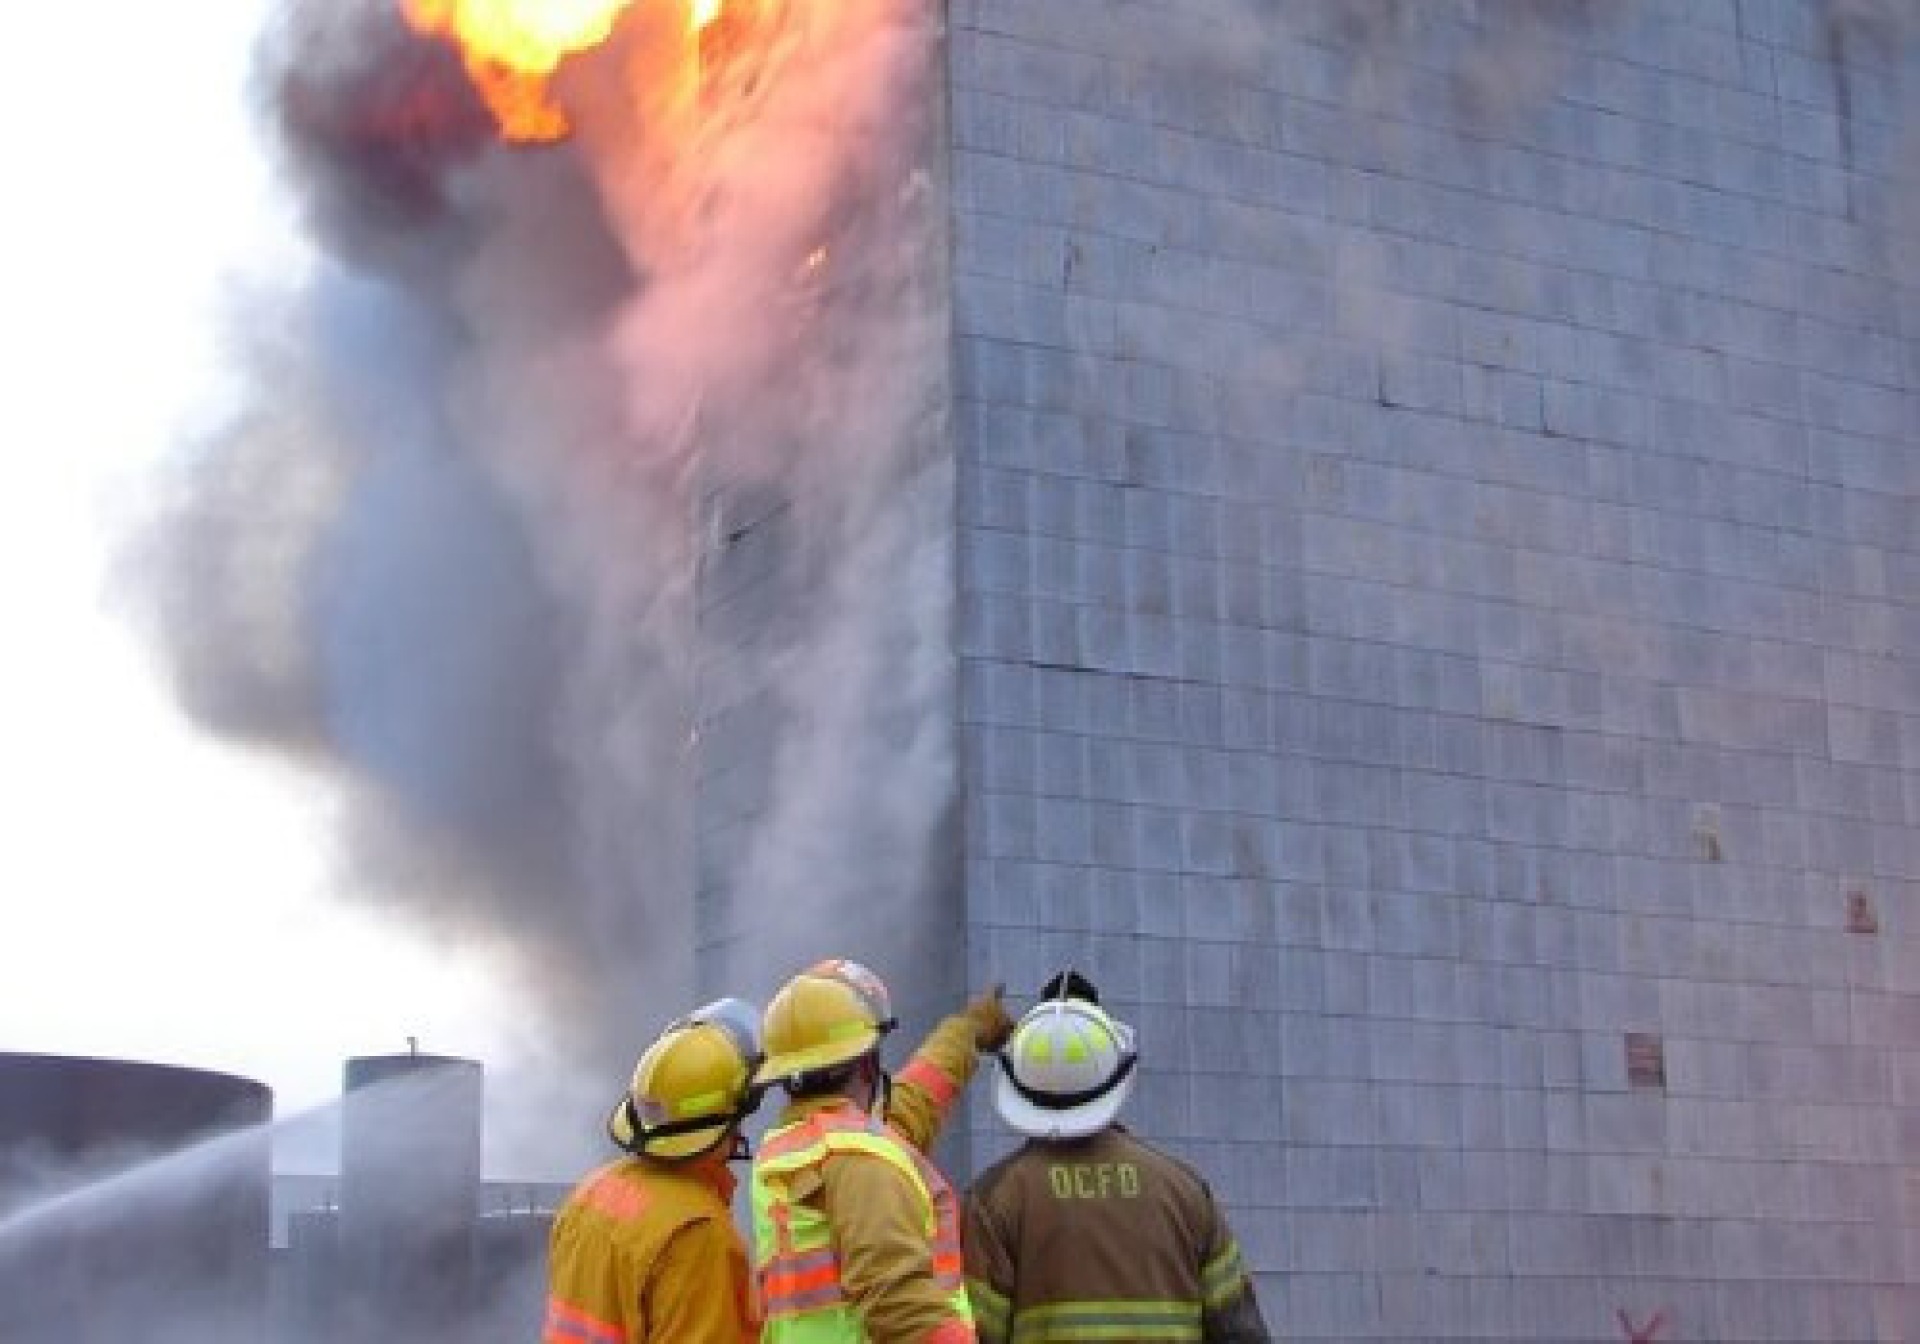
779, 1068
672, 1147
1046, 1122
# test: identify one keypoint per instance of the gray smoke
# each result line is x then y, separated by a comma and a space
468, 545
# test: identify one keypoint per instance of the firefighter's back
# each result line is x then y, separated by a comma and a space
1100, 1234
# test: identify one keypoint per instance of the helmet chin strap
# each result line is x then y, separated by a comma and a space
740, 1150
879, 1086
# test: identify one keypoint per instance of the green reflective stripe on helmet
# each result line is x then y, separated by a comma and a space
1114, 1319
1223, 1277
707, 1103
990, 1309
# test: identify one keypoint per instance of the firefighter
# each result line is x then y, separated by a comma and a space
644, 1251
1086, 1232
856, 1233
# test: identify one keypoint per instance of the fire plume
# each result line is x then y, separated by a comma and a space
512, 47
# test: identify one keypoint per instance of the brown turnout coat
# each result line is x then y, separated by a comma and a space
1103, 1237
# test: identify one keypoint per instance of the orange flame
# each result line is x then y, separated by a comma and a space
512, 47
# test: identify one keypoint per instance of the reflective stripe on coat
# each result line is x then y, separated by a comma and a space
799, 1273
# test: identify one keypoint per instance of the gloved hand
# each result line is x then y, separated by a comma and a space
992, 1024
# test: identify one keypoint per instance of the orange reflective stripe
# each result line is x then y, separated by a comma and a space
779, 1287
930, 1078
782, 1229
950, 1332
567, 1323
618, 1199
948, 1260
790, 1140
810, 1269
795, 1283
947, 1256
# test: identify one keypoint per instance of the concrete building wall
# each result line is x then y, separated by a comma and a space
1439, 627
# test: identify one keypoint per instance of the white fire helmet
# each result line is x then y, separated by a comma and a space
1066, 1071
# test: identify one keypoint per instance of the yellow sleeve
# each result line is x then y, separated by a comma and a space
925, 1089
886, 1258
698, 1292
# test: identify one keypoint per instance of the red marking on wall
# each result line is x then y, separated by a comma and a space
1646, 1060
1860, 913
1641, 1334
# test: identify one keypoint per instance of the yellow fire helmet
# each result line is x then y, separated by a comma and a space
693, 1084
830, 1014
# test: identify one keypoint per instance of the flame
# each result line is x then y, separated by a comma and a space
512, 46
529, 36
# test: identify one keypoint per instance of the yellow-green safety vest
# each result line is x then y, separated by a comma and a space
800, 1290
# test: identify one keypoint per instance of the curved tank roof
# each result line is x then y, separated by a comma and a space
133, 1201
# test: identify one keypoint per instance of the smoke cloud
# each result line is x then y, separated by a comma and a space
579, 484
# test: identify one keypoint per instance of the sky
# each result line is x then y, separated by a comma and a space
166, 897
